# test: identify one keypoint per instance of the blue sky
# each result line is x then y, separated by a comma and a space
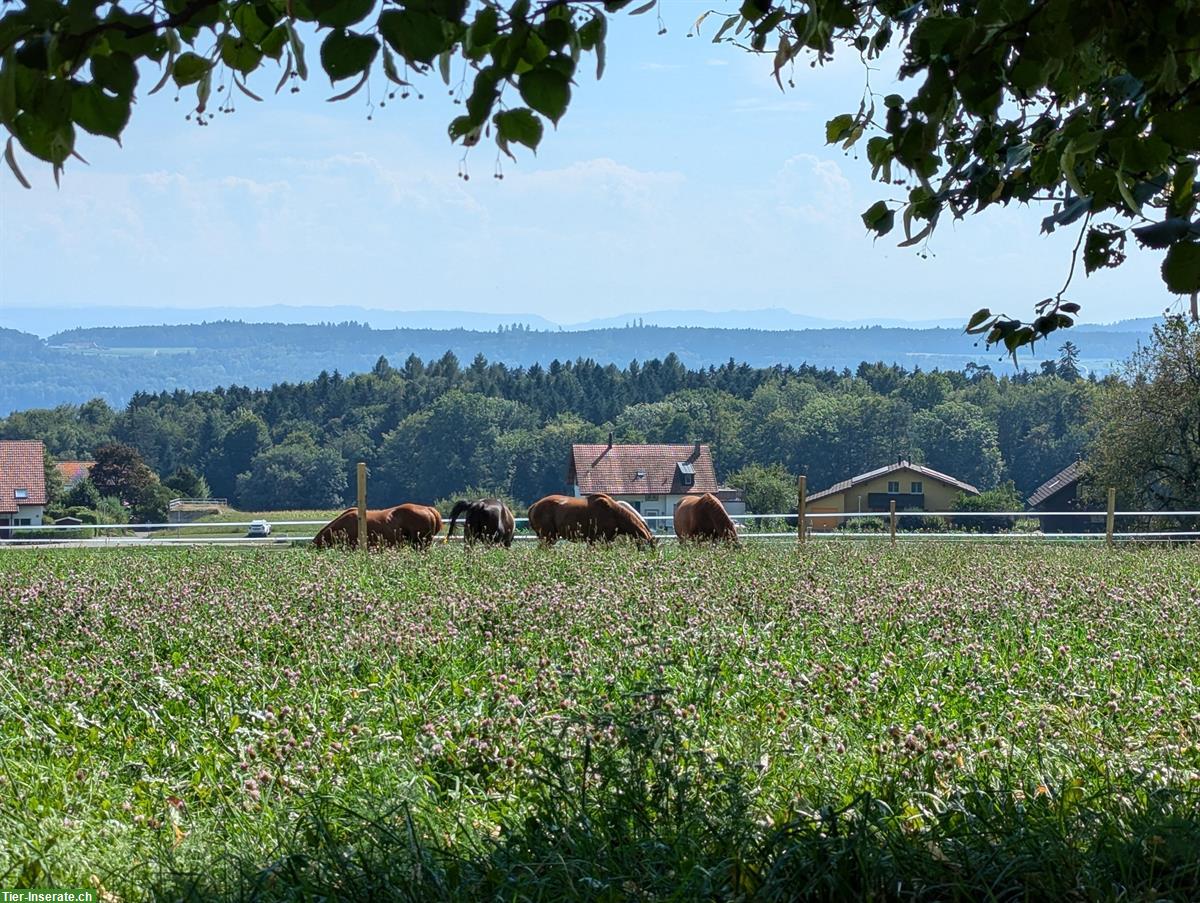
683, 179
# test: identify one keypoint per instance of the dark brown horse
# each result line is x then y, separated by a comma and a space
703, 517
414, 525
485, 520
595, 518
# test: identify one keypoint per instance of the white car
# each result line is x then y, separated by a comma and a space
259, 528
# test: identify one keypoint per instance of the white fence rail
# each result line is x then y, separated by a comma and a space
217, 533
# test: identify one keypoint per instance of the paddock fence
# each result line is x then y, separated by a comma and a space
1109, 526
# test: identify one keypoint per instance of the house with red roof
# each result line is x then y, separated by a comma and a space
651, 478
22, 483
73, 472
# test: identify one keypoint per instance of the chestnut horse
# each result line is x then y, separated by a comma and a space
703, 517
597, 517
415, 525
487, 520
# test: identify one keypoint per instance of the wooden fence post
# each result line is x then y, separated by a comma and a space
1111, 517
362, 505
801, 504
892, 519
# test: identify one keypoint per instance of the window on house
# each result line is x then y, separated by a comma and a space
20, 493
22, 522
894, 486
640, 475
918, 487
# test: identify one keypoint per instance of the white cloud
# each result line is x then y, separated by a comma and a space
814, 190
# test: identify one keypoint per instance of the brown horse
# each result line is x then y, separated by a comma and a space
415, 525
703, 517
487, 520
596, 517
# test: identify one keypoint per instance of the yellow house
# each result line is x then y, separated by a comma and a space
913, 487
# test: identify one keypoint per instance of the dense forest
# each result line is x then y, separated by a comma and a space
114, 363
429, 430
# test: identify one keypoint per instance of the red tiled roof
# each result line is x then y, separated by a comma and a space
615, 469
902, 465
22, 466
74, 471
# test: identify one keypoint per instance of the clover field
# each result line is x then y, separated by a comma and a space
925, 722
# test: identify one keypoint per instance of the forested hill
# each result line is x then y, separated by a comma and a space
115, 363
439, 429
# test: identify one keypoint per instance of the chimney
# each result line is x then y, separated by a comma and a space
900, 459
610, 439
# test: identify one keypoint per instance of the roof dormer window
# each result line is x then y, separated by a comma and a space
640, 475
685, 473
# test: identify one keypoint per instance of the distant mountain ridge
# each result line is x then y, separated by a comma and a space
114, 363
49, 321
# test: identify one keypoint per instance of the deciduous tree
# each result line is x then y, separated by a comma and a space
1148, 429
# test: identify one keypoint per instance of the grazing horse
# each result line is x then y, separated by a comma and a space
597, 517
415, 525
632, 510
703, 517
487, 520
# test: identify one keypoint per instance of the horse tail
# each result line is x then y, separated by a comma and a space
460, 507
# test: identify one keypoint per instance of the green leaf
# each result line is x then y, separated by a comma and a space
189, 69
483, 95
879, 218
340, 13
977, 318
483, 30
546, 90
345, 54
837, 127
239, 54
8, 88
1181, 269
416, 35
592, 31
250, 24
1180, 128
49, 141
115, 72
463, 127
519, 125
96, 112
1164, 234
272, 45
726, 25
753, 10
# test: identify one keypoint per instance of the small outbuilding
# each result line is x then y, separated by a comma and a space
1060, 493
